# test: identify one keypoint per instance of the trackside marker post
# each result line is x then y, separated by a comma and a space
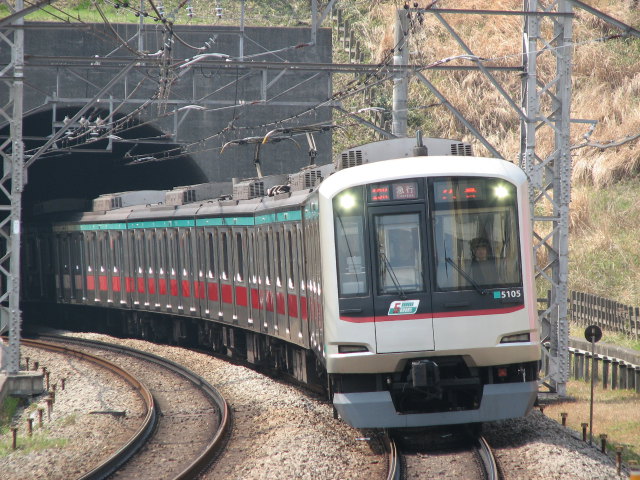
593, 334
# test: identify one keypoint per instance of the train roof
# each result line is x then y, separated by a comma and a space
252, 195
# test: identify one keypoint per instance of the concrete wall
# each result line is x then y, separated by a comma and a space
53, 88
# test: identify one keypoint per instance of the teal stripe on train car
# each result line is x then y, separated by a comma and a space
161, 224
242, 221
289, 216
103, 226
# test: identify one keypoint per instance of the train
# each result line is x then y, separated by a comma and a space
399, 276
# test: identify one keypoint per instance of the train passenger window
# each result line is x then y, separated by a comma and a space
278, 259
225, 256
211, 247
290, 280
399, 253
475, 238
268, 256
151, 248
240, 258
352, 263
161, 253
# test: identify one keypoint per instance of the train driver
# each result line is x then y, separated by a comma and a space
483, 268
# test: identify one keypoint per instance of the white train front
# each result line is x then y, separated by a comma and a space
403, 283
429, 304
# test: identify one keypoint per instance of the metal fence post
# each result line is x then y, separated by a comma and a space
580, 360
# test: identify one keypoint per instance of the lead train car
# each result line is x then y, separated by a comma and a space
403, 282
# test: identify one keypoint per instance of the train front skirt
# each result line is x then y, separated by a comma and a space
376, 409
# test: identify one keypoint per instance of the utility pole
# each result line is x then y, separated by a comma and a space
550, 173
11, 186
401, 78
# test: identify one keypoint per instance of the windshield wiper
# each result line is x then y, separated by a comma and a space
392, 274
467, 277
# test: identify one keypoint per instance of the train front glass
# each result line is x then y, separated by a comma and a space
411, 237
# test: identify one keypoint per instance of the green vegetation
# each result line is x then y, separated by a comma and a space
604, 243
25, 444
608, 337
9, 408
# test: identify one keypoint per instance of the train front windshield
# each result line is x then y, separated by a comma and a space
455, 233
475, 234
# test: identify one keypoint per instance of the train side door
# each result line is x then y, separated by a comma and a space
401, 297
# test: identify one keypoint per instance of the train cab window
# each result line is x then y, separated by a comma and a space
352, 262
475, 233
399, 253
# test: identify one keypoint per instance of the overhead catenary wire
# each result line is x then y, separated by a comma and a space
118, 126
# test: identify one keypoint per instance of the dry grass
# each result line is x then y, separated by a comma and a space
606, 79
615, 413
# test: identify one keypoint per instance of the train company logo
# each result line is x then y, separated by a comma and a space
404, 307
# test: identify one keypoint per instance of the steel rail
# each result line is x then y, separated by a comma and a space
217, 442
140, 437
488, 460
394, 472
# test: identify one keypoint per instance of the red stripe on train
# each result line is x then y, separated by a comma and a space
186, 288
293, 306
213, 292
423, 316
241, 296
255, 299
162, 286
227, 294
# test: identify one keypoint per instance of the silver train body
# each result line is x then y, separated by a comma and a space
402, 282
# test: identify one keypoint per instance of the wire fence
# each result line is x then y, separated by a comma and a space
587, 309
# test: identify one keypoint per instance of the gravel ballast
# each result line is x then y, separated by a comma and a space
278, 431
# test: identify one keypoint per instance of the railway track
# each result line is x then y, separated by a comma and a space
454, 461
187, 420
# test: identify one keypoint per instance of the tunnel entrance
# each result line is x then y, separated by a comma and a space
101, 165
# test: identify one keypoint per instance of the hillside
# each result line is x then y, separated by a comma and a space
605, 213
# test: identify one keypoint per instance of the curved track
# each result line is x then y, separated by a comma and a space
143, 436
489, 463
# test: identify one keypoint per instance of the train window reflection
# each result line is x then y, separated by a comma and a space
399, 253
352, 264
476, 244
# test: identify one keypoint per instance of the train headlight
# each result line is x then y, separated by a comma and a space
352, 349
347, 201
501, 192
520, 337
